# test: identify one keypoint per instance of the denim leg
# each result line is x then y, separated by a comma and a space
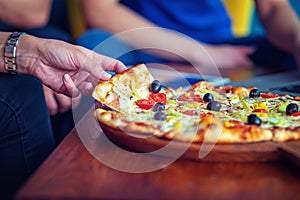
26, 137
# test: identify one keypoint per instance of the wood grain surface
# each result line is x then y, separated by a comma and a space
73, 172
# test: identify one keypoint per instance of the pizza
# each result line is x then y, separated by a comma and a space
140, 104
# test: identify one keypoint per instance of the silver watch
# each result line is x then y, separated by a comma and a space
10, 52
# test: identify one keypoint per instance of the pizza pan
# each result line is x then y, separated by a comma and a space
243, 152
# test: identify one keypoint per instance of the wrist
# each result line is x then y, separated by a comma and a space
23, 57
20, 52
28, 54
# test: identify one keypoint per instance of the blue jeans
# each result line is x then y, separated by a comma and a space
26, 137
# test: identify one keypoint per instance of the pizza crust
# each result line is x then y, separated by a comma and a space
210, 130
286, 134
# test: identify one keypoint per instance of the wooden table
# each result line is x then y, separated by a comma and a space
86, 166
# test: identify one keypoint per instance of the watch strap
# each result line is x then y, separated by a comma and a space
10, 52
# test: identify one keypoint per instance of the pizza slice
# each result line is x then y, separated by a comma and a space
123, 89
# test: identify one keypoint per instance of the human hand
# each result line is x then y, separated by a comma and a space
228, 56
59, 103
65, 68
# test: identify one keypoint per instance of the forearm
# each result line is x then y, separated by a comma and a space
281, 23
25, 14
112, 16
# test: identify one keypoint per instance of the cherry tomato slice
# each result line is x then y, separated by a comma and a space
183, 97
190, 98
269, 96
197, 98
296, 114
260, 110
222, 90
297, 98
145, 104
190, 112
158, 97
202, 115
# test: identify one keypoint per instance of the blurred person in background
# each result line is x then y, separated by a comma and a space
205, 21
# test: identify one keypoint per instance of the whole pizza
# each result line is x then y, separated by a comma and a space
135, 102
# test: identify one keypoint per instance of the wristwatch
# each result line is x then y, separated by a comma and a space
10, 52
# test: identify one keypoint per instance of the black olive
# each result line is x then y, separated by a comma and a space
161, 116
158, 107
208, 97
291, 108
155, 86
254, 93
253, 119
214, 106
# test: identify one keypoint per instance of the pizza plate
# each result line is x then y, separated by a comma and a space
243, 152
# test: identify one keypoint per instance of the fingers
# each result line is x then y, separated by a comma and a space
104, 75
110, 65
96, 64
99, 63
116, 66
50, 101
86, 88
64, 103
71, 88
93, 67
76, 101
59, 103
85, 85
